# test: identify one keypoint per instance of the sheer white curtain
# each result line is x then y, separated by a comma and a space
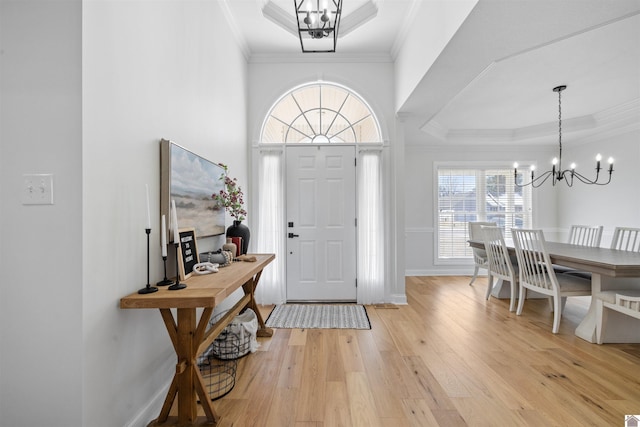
370, 229
270, 233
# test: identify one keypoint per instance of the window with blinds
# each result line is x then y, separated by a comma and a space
467, 194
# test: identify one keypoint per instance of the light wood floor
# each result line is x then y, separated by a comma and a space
448, 358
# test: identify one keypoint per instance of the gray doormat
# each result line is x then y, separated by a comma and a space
319, 316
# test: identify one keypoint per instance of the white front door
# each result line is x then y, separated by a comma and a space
321, 223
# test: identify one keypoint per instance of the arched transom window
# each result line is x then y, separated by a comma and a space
320, 113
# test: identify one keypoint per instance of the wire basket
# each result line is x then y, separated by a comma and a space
219, 374
234, 341
229, 345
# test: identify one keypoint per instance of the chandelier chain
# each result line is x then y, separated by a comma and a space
560, 128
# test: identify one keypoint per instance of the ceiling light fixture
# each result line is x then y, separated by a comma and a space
556, 172
318, 22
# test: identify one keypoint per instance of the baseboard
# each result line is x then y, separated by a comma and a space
435, 272
151, 410
398, 299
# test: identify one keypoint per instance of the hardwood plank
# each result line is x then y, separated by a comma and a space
291, 370
336, 412
419, 413
456, 358
311, 394
336, 371
350, 351
386, 397
280, 413
298, 337
361, 403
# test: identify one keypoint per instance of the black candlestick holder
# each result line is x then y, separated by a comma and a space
165, 281
177, 285
148, 289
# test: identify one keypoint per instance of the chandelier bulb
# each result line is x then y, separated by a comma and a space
598, 157
610, 160
533, 167
554, 161
325, 16
515, 165
573, 166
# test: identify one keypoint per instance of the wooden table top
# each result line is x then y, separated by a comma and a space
606, 261
207, 290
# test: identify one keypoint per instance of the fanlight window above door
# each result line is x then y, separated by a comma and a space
320, 113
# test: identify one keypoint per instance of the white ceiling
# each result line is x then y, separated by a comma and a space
495, 77
265, 37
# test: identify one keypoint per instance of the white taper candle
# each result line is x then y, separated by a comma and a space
163, 237
174, 223
148, 209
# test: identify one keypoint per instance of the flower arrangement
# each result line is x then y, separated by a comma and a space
231, 197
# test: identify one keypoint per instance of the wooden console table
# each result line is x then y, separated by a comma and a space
191, 337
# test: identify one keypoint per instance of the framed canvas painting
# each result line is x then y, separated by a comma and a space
190, 180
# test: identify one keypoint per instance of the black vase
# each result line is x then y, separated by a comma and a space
238, 229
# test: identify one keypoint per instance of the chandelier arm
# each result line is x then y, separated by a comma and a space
586, 180
568, 179
534, 182
546, 176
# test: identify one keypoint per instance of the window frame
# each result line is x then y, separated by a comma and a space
304, 111
481, 212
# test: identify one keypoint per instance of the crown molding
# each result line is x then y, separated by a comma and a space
404, 28
614, 121
280, 17
357, 18
234, 28
435, 129
319, 58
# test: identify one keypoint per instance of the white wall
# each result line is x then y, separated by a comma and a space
40, 246
151, 70
616, 204
88, 89
421, 153
373, 81
433, 26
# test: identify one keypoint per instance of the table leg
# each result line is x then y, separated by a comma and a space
187, 405
620, 328
187, 383
587, 328
249, 289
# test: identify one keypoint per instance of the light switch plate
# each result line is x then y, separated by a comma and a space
37, 189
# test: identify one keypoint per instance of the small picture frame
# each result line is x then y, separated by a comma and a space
187, 252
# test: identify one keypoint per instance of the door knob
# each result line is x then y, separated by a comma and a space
291, 235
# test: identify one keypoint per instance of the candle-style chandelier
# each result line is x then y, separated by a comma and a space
318, 23
557, 173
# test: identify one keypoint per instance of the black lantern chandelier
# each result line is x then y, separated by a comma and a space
318, 22
557, 173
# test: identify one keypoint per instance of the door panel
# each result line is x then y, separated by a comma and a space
321, 207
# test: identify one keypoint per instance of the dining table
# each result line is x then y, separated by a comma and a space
610, 269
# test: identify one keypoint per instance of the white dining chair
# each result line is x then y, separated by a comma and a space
536, 274
626, 239
581, 235
479, 255
500, 266
623, 301
585, 235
